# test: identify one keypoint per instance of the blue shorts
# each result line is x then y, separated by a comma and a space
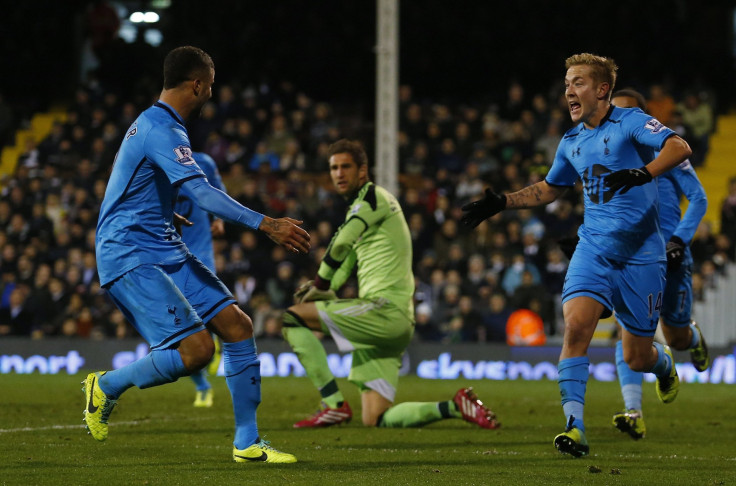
634, 292
167, 303
678, 297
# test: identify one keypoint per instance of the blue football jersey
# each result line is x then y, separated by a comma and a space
135, 224
198, 237
624, 227
673, 184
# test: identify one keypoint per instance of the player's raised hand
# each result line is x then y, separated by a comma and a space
477, 211
625, 179
287, 233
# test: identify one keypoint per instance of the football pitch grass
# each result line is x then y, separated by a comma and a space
158, 437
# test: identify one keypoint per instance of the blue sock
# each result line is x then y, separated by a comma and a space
664, 364
696, 336
629, 380
156, 368
243, 378
573, 379
200, 380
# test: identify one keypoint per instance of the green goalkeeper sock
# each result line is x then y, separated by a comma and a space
313, 357
417, 414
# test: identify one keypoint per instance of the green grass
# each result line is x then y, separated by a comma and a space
157, 437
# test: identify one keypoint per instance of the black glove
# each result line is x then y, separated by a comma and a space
626, 179
477, 211
568, 245
675, 253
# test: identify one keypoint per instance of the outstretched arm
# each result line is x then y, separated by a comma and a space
283, 231
537, 194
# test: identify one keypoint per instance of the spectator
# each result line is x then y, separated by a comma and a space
419, 163
697, 115
472, 329
271, 326
512, 277
660, 104
534, 296
426, 329
281, 287
279, 136
16, 319
495, 318
469, 186
264, 156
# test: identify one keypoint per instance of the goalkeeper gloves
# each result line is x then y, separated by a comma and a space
627, 178
477, 211
675, 253
308, 292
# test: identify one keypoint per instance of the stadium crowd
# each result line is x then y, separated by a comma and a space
269, 142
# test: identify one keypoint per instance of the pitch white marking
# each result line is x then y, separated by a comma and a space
63, 427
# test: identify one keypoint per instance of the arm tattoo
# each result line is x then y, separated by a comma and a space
526, 198
273, 224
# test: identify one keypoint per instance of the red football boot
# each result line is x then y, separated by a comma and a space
473, 409
327, 416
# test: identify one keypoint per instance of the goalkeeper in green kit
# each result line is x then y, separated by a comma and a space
378, 325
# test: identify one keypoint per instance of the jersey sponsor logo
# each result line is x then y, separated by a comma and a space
355, 209
131, 132
184, 155
654, 125
575, 153
593, 184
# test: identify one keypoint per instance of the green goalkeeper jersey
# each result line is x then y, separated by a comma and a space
374, 236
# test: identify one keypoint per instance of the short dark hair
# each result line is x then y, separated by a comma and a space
184, 64
632, 93
352, 147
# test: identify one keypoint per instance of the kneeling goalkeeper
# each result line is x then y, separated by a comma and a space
378, 325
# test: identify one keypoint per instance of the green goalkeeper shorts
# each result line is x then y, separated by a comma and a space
376, 332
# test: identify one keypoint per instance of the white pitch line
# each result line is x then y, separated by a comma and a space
62, 427
81, 426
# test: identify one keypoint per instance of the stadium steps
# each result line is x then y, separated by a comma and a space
40, 126
719, 167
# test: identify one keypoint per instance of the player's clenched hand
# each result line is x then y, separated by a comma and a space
626, 179
477, 211
287, 233
307, 292
675, 253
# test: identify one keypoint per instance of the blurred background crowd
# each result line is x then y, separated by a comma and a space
269, 143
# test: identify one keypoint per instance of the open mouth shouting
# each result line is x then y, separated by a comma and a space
575, 108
